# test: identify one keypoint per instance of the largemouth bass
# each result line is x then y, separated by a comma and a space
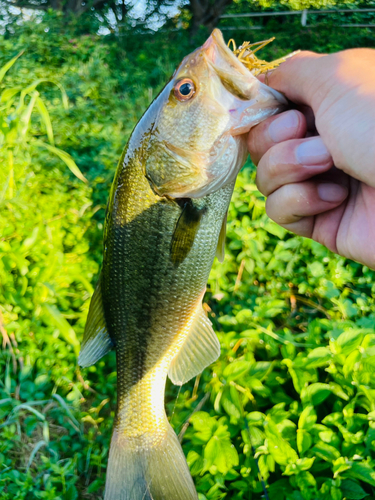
165, 221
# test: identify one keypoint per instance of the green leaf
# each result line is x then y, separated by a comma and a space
316, 393
353, 358
338, 391
7, 94
255, 418
362, 471
64, 405
230, 407
275, 229
340, 465
278, 447
46, 118
302, 464
8, 65
204, 425
307, 418
195, 462
65, 157
348, 341
71, 493
40, 444
30, 240
304, 441
352, 490
237, 369
61, 324
222, 453
26, 115
318, 357
325, 451
316, 269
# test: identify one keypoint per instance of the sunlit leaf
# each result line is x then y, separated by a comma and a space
65, 157
8, 65
66, 330
46, 118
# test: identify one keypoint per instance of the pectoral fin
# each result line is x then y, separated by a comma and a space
201, 348
96, 341
185, 231
220, 250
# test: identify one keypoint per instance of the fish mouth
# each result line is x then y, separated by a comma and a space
220, 55
250, 101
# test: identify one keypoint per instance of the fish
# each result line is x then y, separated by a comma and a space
165, 222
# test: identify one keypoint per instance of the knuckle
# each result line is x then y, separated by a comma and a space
275, 211
252, 144
262, 180
261, 186
272, 162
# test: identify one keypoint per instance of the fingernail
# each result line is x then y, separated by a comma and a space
281, 129
312, 152
328, 191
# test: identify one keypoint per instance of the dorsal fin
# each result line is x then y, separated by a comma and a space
220, 249
201, 348
96, 341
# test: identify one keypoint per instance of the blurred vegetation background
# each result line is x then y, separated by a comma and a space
291, 401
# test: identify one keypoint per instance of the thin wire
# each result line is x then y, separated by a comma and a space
175, 404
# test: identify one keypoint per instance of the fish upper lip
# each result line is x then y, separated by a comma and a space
216, 39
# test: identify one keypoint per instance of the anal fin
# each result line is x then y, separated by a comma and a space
96, 341
200, 349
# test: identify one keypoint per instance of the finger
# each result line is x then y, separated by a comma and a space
288, 125
302, 78
294, 206
309, 78
292, 161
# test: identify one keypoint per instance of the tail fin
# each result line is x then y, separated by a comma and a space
156, 472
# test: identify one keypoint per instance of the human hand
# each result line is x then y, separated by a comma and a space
322, 187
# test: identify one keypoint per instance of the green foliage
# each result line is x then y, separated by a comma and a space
293, 391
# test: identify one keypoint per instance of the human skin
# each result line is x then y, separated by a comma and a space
316, 163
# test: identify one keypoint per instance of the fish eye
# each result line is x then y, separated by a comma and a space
184, 89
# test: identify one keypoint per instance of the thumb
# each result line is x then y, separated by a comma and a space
303, 78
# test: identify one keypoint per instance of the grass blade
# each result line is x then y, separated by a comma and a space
37, 447
26, 116
43, 111
65, 157
67, 409
25, 406
7, 94
8, 65
61, 323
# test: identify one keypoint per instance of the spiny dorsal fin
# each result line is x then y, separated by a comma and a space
185, 231
96, 341
220, 249
201, 348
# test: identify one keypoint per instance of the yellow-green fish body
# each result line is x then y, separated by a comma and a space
165, 221
160, 305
